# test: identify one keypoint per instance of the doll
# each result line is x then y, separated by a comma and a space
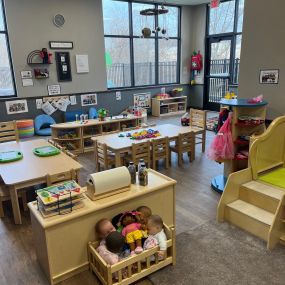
46, 57
131, 231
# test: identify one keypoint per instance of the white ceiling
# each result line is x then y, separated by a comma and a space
181, 2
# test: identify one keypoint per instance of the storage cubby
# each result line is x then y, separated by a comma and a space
169, 106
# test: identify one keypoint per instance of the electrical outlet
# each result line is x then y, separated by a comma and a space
162, 90
118, 96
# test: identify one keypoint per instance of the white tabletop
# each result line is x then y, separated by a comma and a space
32, 167
115, 142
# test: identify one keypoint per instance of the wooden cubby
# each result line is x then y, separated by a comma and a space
169, 106
76, 136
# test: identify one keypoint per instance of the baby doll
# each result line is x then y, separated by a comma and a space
156, 231
112, 249
103, 227
145, 213
132, 232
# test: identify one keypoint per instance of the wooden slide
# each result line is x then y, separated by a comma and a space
254, 198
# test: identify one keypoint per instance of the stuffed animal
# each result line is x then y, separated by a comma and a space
132, 231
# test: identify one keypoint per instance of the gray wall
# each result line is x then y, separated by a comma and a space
105, 100
263, 48
30, 26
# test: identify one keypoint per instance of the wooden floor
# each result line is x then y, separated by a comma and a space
196, 204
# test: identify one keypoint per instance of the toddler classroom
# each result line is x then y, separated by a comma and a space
142, 142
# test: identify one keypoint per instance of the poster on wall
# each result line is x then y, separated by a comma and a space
88, 99
269, 76
16, 107
26, 74
48, 108
63, 66
82, 63
54, 90
73, 100
142, 100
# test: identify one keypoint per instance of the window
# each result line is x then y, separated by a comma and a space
132, 60
224, 40
6, 75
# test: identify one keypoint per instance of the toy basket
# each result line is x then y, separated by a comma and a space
136, 267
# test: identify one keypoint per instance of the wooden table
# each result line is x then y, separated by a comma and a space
61, 241
120, 145
31, 170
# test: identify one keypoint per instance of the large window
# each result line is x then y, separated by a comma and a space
132, 60
6, 74
224, 38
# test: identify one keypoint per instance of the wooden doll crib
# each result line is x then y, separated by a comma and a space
137, 266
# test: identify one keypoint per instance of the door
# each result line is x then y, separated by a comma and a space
218, 70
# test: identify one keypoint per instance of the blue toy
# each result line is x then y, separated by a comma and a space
42, 125
93, 113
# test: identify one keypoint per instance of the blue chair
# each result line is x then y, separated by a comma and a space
70, 116
93, 113
42, 125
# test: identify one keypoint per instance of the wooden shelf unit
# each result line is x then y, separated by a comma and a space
169, 106
83, 132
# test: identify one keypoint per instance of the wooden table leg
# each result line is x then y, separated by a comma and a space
117, 159
15, 205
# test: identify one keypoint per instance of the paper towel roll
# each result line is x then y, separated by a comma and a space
110, 180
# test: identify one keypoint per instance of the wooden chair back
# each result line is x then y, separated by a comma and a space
72, 155
64, 176
198, 118
101, 155
160, 150
141, 151
185, 142
9, 131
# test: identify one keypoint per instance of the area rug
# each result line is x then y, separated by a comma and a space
211, 123
276, 178
222, 254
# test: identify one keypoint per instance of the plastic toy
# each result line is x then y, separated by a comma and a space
9, 156
257, 99
46, 151
121, 135
145, 134
132, 232
185, 120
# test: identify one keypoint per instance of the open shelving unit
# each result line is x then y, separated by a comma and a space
169, 106
76, 136
240, 108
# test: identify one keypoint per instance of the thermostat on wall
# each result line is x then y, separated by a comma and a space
59, 20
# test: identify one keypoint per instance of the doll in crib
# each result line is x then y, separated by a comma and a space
132, 231
144, 213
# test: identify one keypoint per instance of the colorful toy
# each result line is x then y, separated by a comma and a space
102, 114
46, 151
132, 232
144, 134
9, 156
185, 119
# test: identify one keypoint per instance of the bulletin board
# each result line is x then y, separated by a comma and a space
63, 66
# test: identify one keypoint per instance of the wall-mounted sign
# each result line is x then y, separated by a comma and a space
16, 107
60, 45
269, 76
53, 90
63, 66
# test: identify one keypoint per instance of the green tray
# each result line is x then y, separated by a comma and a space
8, 156
46, 151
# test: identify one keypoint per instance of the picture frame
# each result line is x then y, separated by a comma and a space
89, 99
269, 76
60, 45
16, 107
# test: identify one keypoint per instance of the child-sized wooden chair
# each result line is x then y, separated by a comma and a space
103, 157
5, 196
70, 154
197, 122
140, 151
160, 150
184, 144
9, 131
64, 176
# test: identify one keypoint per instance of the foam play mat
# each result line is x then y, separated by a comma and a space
276, 177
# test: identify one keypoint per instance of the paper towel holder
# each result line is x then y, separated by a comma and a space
107, 192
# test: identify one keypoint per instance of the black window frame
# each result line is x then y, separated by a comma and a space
156, 38
234, 34
6, 33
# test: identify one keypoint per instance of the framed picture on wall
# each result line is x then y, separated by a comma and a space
270, 76
88, 99
16, 107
